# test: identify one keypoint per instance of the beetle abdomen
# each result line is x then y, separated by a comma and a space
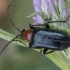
51, 39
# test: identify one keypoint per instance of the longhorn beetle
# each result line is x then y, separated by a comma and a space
46, 38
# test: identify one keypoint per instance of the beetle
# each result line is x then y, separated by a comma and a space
47, 38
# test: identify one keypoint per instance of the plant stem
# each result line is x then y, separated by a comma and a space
7, 36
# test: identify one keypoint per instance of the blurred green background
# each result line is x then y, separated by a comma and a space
17, 57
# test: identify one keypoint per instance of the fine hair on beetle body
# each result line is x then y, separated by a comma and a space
47, 38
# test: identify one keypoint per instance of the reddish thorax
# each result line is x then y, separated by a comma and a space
28, 34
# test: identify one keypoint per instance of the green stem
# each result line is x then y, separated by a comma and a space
7, 36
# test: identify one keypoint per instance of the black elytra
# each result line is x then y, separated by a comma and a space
46, 38
52, 39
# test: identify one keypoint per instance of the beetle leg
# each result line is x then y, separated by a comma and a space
30, 44
65, 52
48, 19
45, 50
49, 52
40, 50
31, 27
47, 25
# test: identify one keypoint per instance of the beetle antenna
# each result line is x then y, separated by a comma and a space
10, 18
9, 43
